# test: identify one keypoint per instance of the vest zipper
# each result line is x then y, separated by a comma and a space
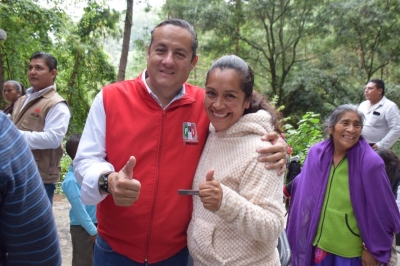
153, 207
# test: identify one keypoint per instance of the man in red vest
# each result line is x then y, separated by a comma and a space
142, 141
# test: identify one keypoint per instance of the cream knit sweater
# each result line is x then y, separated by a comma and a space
245, 230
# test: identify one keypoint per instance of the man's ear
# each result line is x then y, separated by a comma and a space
53, 73
194, 62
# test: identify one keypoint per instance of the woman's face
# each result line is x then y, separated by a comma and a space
10, 92
346, 132
224, 101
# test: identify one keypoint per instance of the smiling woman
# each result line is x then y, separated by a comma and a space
338, 185
237, 217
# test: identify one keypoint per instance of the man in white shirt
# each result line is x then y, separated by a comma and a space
382, 124
42, 117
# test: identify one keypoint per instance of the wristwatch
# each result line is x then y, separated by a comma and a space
103, 181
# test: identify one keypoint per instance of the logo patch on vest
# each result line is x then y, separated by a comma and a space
35, 114
189, 133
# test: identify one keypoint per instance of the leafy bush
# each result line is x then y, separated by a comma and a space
307, 133
65, 163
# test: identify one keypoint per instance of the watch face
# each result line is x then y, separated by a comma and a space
101, 180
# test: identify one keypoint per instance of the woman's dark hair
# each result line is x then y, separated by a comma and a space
258, 101
392, 165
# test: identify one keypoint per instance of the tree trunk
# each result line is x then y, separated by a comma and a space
125, 43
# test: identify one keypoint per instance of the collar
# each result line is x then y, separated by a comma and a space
178, 96
30, 92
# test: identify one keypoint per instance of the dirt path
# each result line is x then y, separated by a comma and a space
61, 208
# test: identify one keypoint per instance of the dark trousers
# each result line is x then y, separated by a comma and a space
50, 188
82, 246
105, 256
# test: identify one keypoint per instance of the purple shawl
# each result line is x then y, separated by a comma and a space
372, 199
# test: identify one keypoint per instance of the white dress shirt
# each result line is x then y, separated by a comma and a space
90, 161
382, 122
55, 128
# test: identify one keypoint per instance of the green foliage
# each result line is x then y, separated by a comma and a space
29, 28
307, 133
65, 163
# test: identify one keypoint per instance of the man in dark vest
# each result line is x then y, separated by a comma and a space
42, 116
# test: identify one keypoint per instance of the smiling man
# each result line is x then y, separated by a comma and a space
382, 125
42, 117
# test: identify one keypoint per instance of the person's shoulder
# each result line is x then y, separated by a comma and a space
363, 104
370, 158
389, 103
7, 125
124, 87
190, 88
2, 118
320, 146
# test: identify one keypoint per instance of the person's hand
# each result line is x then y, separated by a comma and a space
210, 192
374, 147
274, 155
367, 259
93, 239
122, 187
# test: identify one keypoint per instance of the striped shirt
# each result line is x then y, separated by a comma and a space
28, 233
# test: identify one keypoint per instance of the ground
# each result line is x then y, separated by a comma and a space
61, 208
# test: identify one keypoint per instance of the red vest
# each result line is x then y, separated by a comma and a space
167, 145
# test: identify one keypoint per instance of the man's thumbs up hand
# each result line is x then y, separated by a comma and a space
211, 192
123, 187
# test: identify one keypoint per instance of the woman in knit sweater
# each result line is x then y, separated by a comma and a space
342, 209
238, 215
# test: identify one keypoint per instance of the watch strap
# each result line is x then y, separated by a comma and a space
103, 181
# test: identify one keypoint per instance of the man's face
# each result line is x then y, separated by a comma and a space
39, 74
372, 93
169, 59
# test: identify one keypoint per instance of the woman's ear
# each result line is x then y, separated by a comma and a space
248, 102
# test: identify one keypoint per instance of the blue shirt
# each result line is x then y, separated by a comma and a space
80, 214
28, 233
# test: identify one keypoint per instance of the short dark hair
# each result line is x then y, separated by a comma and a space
379, 84
49, 59
179, 23
72, 145
258, 101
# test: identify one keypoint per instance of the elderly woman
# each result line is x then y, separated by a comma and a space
342, 209
12, 90
238, 215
